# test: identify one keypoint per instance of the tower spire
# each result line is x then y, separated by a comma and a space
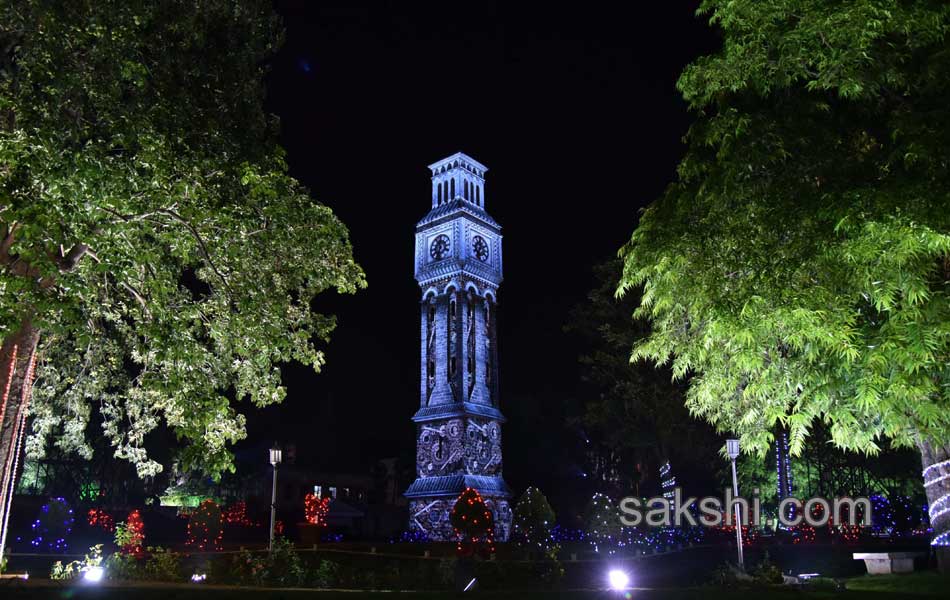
458, 177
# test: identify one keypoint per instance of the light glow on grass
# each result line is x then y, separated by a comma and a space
618, 579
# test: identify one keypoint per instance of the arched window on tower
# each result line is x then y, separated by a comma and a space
452, 190
465, 192
440, 194
478, 195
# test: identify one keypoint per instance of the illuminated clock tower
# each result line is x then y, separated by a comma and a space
458, 424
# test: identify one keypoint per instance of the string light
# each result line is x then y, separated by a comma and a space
136, 529
236, 514
96, 517
940, 506
204, 527
316, 509
51, 535
472, 523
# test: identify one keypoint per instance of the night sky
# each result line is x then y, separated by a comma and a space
574, 111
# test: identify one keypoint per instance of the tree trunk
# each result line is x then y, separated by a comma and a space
936, 464
17, 360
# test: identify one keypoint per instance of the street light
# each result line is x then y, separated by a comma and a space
732, 449
274, 461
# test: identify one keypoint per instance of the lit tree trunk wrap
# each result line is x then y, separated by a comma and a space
17, 360
935, 460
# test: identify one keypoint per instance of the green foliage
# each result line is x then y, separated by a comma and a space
246, 568
149, 228
635, 411
76, 568
123, 567
797, 269
125, 537
327, 574
163, 565
281, 567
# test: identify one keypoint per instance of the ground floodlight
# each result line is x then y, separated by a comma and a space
619, 580
93, 574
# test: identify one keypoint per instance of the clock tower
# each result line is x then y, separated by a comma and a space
458, 424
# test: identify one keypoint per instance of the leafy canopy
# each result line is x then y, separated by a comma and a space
150, 229
798, 268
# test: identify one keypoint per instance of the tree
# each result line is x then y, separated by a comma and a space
636, 411
602, 524
156, 260
532, 523
798, 268
473, 523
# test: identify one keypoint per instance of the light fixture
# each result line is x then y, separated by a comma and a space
199, 577
93, 574
275, 455
618, 579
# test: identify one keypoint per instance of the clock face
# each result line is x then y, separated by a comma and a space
439, 448
480, 247
440, 247
482, 448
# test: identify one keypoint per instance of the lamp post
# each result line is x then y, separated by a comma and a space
732, 449
274, 461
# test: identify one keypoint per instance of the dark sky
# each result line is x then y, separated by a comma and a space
573, 109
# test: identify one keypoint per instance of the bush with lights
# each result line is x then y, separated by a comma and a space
474, 524
130, 536
205, 530
53, 526
602, 524
532, 524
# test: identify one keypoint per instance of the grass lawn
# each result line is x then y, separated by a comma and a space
880, 587
925, 583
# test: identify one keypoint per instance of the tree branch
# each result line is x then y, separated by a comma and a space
201, 244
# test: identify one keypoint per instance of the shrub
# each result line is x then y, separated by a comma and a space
121, 566
767, 572
163, 565
247, 569
75, 568
283, 565
327, 574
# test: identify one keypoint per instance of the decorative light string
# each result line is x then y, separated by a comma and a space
938, 508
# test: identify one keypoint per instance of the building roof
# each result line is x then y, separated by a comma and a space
459, 204
453, 485
457, 409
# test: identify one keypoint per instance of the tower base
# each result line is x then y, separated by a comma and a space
431, 500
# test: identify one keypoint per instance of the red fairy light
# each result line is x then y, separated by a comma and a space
204, 527
316, 509
96, 517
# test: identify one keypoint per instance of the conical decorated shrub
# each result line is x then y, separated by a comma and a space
533, 521
473, 523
